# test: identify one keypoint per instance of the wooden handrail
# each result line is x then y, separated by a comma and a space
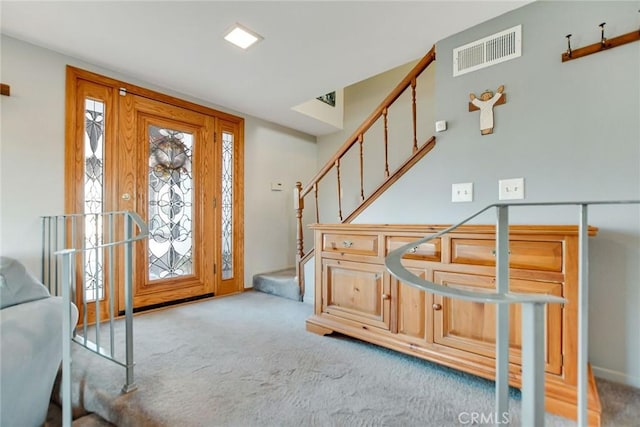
385, 104
357, 137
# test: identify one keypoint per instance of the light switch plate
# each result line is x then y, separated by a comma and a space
441, 125
462, 192
511, 189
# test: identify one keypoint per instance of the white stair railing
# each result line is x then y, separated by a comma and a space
95, 239
532, 312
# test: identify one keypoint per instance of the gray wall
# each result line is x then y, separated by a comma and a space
572, 130
32, 161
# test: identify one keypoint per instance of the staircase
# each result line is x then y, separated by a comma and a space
282, 282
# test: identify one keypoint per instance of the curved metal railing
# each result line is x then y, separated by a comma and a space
65, 240
532, 311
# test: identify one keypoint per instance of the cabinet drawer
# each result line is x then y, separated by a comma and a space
529, 255
429, 251
351, 244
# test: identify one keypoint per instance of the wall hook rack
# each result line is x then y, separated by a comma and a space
603, 44
603, 40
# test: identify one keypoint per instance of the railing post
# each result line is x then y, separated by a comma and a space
315, 194
56, 273
74, 275
42, 269
111, 285
361, 142
583, 312
414, 115
337, 163
298, 204
128, 297
83, 282
99, 278
385, 112
502, 311
532, 364
67, 271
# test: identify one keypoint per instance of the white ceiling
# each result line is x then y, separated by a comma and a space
309, 47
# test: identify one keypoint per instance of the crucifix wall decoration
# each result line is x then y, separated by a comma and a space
485, 104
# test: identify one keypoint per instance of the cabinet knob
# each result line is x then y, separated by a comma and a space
347, 243
413, 250
437, 306
386, 296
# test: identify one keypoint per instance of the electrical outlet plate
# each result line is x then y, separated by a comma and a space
462, 192
511, 189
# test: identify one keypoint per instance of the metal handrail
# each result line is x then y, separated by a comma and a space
532, 311
66, 257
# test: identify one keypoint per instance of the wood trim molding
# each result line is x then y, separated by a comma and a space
148, 93
423, 229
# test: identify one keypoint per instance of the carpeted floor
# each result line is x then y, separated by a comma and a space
247, 360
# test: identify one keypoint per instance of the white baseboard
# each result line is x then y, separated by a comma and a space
619, 377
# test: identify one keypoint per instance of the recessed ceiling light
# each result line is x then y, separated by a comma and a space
241, 36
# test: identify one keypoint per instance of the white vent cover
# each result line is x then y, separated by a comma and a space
488, 51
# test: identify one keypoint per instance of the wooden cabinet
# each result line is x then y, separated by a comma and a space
356, 296
356, 291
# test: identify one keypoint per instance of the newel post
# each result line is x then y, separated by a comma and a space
298, 204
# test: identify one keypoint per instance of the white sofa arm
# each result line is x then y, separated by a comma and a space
30, 354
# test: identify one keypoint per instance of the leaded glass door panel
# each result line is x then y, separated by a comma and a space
92, 130
229, 218
168, 177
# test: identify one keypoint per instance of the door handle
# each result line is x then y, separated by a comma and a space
126, 196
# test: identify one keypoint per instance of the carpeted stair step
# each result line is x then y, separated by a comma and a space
281, 283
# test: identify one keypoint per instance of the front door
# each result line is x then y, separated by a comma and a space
176, 164
167, 174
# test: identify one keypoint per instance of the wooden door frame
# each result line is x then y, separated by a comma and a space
74, 175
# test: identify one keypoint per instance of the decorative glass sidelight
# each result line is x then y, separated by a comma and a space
170, 209
227, 205
93, 196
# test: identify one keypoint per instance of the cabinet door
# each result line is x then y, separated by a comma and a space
471, 326
413, 310
356, 291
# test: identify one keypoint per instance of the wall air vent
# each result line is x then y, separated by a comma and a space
488, 51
